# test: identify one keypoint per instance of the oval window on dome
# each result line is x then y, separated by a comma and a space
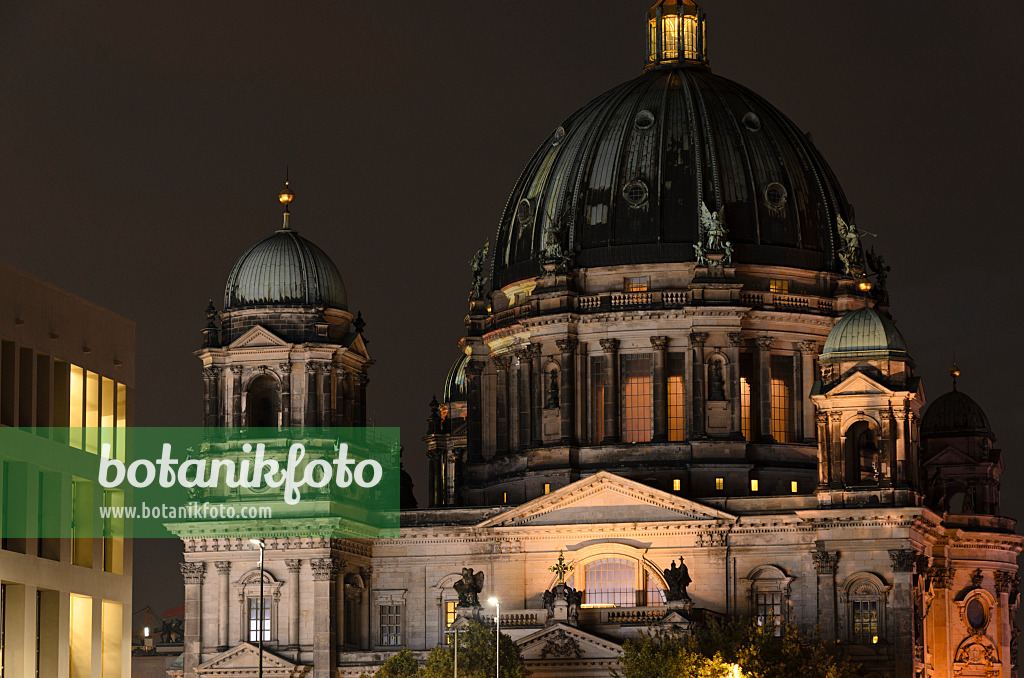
775, 195
635, 193
751, 121
976, 613
524, 212
557, 137
644, 120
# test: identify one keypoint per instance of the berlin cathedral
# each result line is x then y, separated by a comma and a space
681, 380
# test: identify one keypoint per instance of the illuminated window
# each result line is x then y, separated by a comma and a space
122, 418
92, 411
610, 581
753, 485
113, 534
719, 484
670, 36
636, 398
596, 399
769, 609
76, 406
676, 398
747, 396
81, 522
108, 413
504, 497
637, 284
676, 484
259, 619
769, 593
655, 594
781, 394
778, 286
449, 612
80, 637
865, 621
391, 625
652, 39
547, 488
110, 648
793, 487
865, 608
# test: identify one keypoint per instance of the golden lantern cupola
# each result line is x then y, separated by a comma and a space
675, 34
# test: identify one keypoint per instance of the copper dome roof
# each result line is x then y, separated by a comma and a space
625, 177
955, 414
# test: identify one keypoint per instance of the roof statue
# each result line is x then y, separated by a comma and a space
678, 578
476, 264
469, 587
712, 247
850, 254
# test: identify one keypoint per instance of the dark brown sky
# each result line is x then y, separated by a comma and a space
142, 146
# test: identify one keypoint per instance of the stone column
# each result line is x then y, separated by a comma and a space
902, 610
808, 352
224, 572
294, 566
736, 343
764, 388
362, 381
567, 396
825, 563
523, 392
210, 407
286, 394
474, 414
309, 418
899, 473
836, 451
193, 574
659, 388
1004, 584
940, 615
611, 390
364, 606
324, 377
325, 575
824, 455
536, 396
886, 449
501, 404
236, 396
697, 340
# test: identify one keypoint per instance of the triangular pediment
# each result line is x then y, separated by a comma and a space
951, 457
606, 498
859, 383
563, 642
257, 337
358, 346
244, 659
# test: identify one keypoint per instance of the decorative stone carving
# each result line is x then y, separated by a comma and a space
326, 569
737, 339
825, 562
902, 559
697, 339
193, 573
1004, 581
209, 373
293, 565
552, 400
501, 362
236, 370
553, 258
713, 248
710, 538
941, 577
506, 546
977, 578
223, 566
765, 343
476, 265
659, 343
849, 247
609, 345
716, 381
567, 346
534, 350
678, 578
809, 346
469, 587
561, 646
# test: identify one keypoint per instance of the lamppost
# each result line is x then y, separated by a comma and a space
262, 545
457, 652
497, 636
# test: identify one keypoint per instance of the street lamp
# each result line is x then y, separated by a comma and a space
497, 636
456, 651
262, 545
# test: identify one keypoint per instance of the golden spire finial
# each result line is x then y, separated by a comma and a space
954, 372
286, 196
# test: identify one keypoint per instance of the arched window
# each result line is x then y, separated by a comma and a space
862, 453
610, 581
769, 596
259, 614
263, 401
864, 598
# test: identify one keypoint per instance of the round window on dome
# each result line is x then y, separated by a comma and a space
635, 193
644, 120
751, 121
976, 613
557, 137
775, 195
524, 212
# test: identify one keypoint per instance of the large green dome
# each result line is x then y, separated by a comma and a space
285, 269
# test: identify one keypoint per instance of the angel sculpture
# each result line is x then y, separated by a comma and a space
476, 264
713, 238
469, 587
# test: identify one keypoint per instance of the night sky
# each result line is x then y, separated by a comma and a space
143, 146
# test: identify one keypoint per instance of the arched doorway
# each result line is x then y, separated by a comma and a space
263, 402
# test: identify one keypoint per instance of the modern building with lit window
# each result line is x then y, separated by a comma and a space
680, 379
67, 368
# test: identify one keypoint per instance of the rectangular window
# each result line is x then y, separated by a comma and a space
76, 406
781, 394
676, 397
504, 497
635, 370
676, 484
596, 399
793, 487
391, 625
92, 411
753, 485
637, 284
113, 534
43, 395
121, 419
769, 610
719, 484
8, 386
778, 286
3, 627
27, 379
865, 621
81, 522
747, 398
259, 619
110, 649
80, 639
547, 488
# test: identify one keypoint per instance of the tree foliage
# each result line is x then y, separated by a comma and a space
401, 665
476, 656
715, 649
